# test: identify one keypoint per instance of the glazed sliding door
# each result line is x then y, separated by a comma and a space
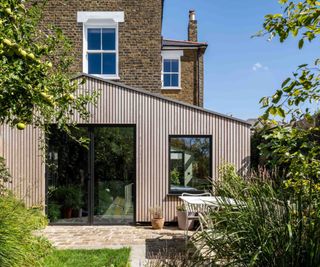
92, 183
114, 174
67, 177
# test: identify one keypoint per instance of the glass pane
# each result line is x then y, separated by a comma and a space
175, 80
174, 65
94, 39
177, 168
190, 164
67, 174
166, 65
94, 63
166, 80
109, 63
108, 39
114, 164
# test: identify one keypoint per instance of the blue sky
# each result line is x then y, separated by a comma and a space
239, 70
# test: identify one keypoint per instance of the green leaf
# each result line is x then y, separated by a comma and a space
277, 96
281, 112
295, 32
300, 44
276, 16
302, 66
285, 82
273, 111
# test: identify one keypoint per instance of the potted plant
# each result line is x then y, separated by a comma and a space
71, 197
157, 220
54, 212
183, 223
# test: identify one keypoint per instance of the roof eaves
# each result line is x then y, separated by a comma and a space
185, 42
159, 96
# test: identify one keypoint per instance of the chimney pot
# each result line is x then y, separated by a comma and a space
192, 15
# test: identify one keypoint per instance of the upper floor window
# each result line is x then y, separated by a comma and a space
171, 69
102, 51
100, 43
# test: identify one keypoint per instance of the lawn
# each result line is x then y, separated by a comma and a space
86, 258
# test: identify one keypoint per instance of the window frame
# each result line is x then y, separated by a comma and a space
97, 25
179, 193
171, 55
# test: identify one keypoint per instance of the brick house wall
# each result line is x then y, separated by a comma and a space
139, 36
190, 85
140, 44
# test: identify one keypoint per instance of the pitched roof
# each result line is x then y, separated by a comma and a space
177, 43
145, 92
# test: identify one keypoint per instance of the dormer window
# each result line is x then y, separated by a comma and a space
171, 69
100, 43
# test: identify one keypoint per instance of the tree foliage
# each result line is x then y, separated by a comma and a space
35, 85
301, 20
295, 142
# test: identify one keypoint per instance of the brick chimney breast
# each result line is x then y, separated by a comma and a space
192, 27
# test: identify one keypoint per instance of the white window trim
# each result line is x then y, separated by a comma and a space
85, 17
101, 20
172, 54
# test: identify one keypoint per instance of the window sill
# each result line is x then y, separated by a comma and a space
106, 77
171, 88
177, 194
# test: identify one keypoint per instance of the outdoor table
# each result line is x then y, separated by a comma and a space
202, 204
212, 201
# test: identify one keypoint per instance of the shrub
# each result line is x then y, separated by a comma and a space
267, 227
18, 245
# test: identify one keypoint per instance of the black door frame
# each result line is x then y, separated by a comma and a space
90, 178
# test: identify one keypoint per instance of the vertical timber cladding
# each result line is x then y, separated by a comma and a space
23, 158
155, 118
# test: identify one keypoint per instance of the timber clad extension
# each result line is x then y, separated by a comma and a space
155, 118
151, 99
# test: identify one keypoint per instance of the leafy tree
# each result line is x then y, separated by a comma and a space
293, 144
301, 20
35, 85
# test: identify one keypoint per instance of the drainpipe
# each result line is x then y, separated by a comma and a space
198, 74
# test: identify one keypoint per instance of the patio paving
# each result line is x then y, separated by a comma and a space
144, 241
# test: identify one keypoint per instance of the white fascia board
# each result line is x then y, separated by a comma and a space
172, 53
90, 16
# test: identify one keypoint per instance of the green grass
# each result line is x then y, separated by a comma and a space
89, 258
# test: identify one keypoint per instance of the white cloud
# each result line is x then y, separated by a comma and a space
258, 66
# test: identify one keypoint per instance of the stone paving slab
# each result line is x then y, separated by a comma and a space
65, 237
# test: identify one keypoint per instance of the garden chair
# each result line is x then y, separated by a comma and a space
193, 210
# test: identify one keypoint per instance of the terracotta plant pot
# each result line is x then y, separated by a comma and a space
182, 221
157, 223
68, 213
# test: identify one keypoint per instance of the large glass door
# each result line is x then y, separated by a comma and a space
67, 177
91, 184
114, 171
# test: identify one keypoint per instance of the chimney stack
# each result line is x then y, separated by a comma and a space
192, 27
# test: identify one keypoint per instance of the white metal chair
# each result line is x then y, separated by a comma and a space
193, 210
